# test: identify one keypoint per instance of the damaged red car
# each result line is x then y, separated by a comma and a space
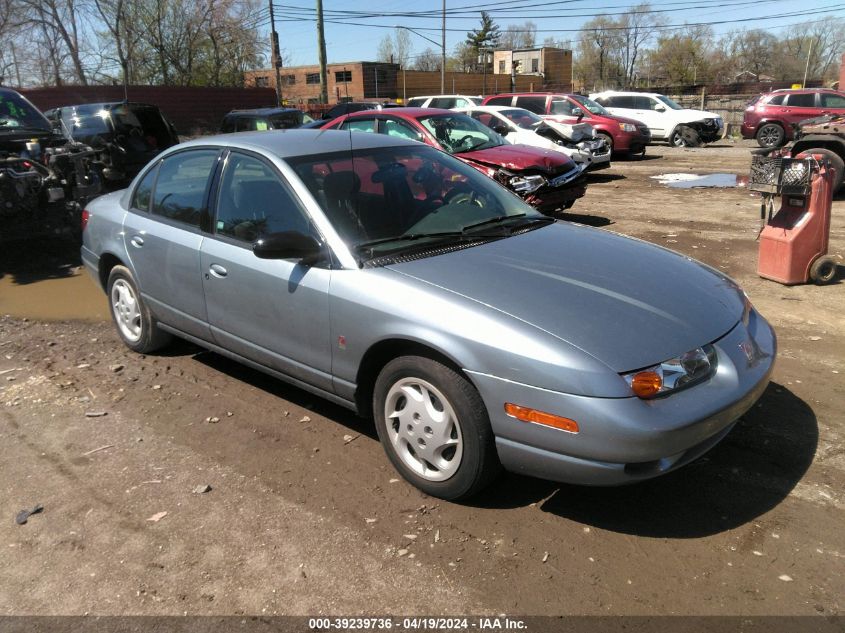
547, 180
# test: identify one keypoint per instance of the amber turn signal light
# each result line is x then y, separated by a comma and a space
526, 414
646, 384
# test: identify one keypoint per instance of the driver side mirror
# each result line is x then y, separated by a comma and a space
288, 245
660, 108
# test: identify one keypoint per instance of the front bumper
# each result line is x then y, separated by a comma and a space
623, 440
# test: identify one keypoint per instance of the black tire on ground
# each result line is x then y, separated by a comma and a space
684, 136
120, 287
770, 135
823, 270
477, 463
836, 163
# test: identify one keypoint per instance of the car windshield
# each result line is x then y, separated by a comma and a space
88, 120
458, 133
16, 113
669, 102
592, 106
523, 118
388, 200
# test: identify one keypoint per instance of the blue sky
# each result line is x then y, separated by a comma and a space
352, 37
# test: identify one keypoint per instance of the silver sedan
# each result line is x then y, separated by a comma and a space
397, 281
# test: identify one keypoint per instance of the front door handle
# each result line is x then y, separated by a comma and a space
217, 270
137, 241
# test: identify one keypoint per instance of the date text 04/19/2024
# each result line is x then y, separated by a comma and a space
416, 624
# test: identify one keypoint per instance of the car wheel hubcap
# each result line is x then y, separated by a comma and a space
126, 311
678, 140
423, 429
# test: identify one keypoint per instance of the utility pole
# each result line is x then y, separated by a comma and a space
321, 46
807, 67
274, 55
443, 52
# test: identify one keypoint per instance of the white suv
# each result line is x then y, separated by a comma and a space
447, 102
667, 120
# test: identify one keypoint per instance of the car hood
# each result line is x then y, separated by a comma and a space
620, 119
627, 303
519, 158
695, 115
574, 132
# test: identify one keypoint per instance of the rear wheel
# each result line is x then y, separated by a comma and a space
135, 324
434, 427
823, 270
770, 135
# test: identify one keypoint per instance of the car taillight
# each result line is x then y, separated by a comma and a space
84, 220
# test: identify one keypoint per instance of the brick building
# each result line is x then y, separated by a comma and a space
552, 66
350, 81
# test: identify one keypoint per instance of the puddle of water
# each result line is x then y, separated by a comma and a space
75, 296
698, 181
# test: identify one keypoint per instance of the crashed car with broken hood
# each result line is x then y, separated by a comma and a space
522, 127
666, 120
45, 177
548, 180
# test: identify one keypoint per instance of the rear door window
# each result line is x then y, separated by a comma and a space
359, 124
537, 105
802, 100
143, 192
503, 101
182, 185
392, 127
443, 102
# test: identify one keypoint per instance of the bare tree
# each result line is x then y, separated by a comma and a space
60, 23
428, 60
395, 48
638, 27
518, 36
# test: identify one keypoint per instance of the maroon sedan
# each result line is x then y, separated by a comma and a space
623, 136
547, 180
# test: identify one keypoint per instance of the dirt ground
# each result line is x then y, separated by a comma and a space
301, 519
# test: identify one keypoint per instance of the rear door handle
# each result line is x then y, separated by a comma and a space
137, 241
217, 270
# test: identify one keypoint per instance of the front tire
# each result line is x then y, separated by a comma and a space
135, 325
434, 428
684, 136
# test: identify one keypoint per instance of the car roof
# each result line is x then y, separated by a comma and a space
289, 143
487, 108
442, 96
633, 93
264, 111
405, 113
104, 105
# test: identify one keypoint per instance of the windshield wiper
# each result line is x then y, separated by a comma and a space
504, 218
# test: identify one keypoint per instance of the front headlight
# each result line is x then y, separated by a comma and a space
628, 127
526, 184
675, 373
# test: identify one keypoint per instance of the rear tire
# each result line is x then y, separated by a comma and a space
770, 135
434, 427
823, 270
607, 139
135, 325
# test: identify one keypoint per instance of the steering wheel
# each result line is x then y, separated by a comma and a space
464, 139
463, 195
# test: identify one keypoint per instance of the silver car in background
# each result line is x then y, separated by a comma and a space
395, 280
